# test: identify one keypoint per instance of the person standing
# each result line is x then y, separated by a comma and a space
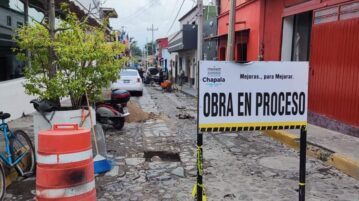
182, 77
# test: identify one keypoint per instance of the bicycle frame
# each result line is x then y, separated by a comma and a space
7, 134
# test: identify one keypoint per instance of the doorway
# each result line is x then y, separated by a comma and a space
296, 36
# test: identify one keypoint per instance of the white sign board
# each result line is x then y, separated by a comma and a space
252, 96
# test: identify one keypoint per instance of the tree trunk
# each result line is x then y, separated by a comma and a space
51, 55
52, 67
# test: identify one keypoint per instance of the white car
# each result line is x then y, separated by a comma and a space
130, 80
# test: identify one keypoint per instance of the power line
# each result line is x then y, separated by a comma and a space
140, 11
174, 20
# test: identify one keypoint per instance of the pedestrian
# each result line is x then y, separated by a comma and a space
161, 75
141, 71
181, 77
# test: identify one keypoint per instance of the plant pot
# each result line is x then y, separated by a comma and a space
61, 117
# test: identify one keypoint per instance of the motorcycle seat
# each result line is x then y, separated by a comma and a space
4, 115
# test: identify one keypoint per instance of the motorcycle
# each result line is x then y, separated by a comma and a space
115, 110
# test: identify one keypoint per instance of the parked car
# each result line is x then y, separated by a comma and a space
152, 74
129, 80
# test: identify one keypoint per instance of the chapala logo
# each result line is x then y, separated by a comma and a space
213, 78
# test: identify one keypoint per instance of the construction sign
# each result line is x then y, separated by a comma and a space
252, 96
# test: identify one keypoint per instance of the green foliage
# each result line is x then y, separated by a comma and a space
150, 48
135, 50
83, 58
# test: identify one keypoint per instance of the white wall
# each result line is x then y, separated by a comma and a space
13, 99
189, 19
166, 56
173, 56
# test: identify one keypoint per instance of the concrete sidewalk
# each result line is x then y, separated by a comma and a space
334, 148
186, 89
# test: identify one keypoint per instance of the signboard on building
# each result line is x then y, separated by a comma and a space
252, 96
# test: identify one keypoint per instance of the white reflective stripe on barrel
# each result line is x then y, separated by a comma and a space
66, 192
64, 158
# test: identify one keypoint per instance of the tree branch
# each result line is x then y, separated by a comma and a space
61, 29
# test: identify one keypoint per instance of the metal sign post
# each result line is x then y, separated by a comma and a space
199, 184
199, 187
302, 156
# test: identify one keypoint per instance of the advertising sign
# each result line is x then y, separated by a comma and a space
252, 96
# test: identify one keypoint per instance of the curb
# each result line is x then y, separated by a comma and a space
187, 93
343, 163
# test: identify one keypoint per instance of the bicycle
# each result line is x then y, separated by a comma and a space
19, 153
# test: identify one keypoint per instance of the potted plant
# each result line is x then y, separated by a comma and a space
66, 62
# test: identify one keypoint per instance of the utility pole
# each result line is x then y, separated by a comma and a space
230, 40
199, 37
152, 29
200, 30
26, 12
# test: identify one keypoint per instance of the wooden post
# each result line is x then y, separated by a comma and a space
230, 39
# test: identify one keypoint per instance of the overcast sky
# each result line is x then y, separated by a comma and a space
138, 15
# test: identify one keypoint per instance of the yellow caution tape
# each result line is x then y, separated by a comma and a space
222, 127
199, 160
194, 191
200, 172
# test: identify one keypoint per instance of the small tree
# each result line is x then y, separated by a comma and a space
83, 58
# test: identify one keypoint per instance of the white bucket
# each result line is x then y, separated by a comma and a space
61, 117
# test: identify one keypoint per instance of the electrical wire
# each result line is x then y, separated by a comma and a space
174, 20
172, 12
140, 11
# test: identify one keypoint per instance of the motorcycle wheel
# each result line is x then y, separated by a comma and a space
118, 122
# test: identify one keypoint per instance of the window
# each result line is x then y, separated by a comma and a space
128, 73
222, 54
19, 24
8, 20
242, 52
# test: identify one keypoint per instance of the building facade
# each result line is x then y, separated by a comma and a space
323, 32
162, 53
184, 44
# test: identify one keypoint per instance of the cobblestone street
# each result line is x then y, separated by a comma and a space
155, 160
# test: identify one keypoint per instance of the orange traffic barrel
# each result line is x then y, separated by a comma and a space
65, 165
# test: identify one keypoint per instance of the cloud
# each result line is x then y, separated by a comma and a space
138, 15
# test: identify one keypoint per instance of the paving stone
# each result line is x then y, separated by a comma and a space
164, 177
113, 172
156, 158
179, 171
134, 161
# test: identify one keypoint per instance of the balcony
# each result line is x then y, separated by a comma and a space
185, 39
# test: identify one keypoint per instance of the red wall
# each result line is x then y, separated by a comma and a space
163, 42
247, 17
334, 60
334, 74
273, 30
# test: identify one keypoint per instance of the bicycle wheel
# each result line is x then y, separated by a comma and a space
19, 144
2, 183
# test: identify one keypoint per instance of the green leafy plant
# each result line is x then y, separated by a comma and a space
83, 58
